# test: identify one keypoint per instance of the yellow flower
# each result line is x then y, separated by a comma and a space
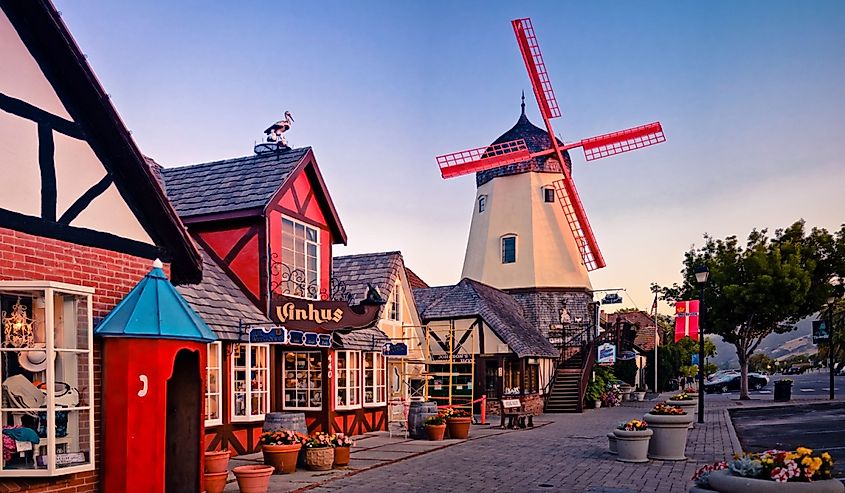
803, 451
790, 456
826, 456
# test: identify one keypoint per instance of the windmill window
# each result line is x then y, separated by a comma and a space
509, 249
482, 203
549, 194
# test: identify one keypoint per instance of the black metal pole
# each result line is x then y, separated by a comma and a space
830, 348
701, 355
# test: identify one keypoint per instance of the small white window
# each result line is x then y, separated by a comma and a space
482, 203
302, 385
549, 194
213, 397
374, 379
396, 303
348, 395
509, 249
250, 382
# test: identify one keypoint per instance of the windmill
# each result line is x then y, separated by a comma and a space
515, 151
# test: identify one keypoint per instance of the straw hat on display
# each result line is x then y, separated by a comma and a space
33, 360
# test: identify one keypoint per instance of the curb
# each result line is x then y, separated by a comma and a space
737, 447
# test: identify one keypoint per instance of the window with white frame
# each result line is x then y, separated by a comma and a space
46, 336
250, 382
509, 249
213, 397
395, 308
348, 391
300, 274
302, 385
374, 384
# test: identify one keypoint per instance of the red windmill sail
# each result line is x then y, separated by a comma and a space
600, 146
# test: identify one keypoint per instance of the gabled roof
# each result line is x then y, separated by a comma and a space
352, 273
414, 280
154, 310
47, 38
644, 326
230, 185
499, 310
220, 303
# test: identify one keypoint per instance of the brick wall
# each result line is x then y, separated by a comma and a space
29, 258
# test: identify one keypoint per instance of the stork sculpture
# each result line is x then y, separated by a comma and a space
275, 131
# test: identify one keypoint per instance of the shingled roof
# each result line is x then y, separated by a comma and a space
220, 303
351, 273
230, 185
644, 324
499, 310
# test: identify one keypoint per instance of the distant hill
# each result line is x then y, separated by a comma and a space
777, 346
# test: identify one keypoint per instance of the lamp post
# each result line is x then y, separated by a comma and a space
701, 275
830, 349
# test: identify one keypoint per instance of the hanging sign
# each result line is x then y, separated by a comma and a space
268, 335
607, 354
627, 356
686, 320
302, 314
395, 349
280, 335
820, 331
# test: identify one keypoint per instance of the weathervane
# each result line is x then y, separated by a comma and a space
275, 131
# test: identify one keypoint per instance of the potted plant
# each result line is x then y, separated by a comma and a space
611, 443
281, 449
594, 390
639, 394
692, 392
217, 461
341, 444
632, 440
670, 425
686, 402
458, 422
319, 452
782, 471
253, 478
215, 482
435, 427
611, 397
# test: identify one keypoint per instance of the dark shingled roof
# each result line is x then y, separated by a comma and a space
371, 339
219, 301
498, 309
537, 140
231, 185
353, 272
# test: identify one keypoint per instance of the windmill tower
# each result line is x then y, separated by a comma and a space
530, 234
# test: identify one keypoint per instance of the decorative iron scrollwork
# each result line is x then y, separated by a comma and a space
294, 282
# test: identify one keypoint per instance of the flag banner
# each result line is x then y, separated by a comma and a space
686, 320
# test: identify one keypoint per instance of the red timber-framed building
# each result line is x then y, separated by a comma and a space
82, 220
266, 224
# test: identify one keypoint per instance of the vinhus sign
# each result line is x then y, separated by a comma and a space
299, 313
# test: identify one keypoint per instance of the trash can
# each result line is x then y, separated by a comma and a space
783, 390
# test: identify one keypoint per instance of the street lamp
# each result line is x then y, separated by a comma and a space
701, 275
830, 302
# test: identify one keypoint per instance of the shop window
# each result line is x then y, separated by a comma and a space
395, 312
509, 249
532, 379
374, 385
348, 395
250, 382
302, 386
300, 270
213, 397
511, 377
549, 194
46, 362
482, 203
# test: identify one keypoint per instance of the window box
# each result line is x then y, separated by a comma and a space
250, 382
302, 382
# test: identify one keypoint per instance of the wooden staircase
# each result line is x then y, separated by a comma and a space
573, 372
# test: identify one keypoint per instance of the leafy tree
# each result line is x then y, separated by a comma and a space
762, 286
760, 362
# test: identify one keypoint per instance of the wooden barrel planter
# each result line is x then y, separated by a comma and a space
417, 415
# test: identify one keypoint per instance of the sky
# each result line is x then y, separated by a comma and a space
751, 96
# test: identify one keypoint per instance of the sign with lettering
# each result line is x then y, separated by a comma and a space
268, 335
607, 354
820, 331
395, 349
280, 335
302, 314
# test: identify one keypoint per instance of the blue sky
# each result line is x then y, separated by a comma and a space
751, 96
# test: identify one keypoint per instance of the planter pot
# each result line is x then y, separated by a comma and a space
597, 404
611, 443
253, 479
694, 395
341, 456
319, 459
670, 436
639, 396
435, 432
217, 461
281, 457
215, 482
691, 407
632, 446
725, 482
458, 427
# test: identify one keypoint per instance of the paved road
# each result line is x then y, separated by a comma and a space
816, 426
809, 385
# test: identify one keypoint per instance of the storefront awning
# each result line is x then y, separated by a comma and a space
372, 339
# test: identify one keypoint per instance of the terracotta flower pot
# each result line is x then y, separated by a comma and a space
435, 432
725, 482
215, 482
341, 456
458, 427
217, 461
632, 446
253, 479
281, 457
319, 458
669, 441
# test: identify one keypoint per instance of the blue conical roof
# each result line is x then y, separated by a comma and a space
154, 310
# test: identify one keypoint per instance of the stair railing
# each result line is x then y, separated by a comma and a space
571, 341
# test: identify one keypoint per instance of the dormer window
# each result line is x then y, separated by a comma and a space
548, 194
508, 249
300, 275
482, 203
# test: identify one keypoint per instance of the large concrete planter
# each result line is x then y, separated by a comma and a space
670, 436
632, 446
611, 443
725, 482
689, 406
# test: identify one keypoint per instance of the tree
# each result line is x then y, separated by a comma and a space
763, 286
760, 362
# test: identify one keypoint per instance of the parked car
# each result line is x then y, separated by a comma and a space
720, 374
730, 382
794, 370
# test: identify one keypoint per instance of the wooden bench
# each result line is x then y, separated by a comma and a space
513, 410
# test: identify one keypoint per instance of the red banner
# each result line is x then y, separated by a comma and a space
686, 320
